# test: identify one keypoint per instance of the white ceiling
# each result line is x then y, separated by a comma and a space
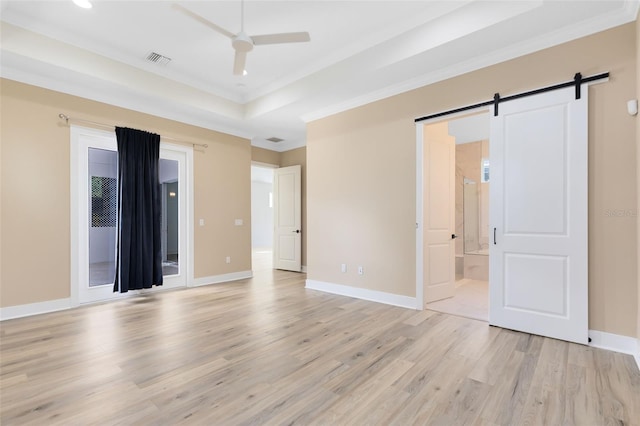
360, 51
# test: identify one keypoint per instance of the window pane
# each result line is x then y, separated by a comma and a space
103, 170
168, 172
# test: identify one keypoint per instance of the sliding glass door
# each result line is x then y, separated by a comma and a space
94, 215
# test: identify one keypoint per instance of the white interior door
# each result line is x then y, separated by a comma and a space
287, 216
538, 250
439, 212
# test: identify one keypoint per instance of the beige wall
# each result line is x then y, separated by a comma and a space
35, 179
266, 156
292, 158
361, 174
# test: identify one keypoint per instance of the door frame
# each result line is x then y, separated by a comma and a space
420, 305
79, 236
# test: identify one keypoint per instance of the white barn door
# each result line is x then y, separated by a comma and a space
287, 215
538, 252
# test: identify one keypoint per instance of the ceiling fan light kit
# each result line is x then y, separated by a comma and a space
243, 43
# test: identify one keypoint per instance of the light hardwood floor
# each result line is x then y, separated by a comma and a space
267, 351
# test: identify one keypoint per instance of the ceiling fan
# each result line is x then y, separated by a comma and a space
243, 43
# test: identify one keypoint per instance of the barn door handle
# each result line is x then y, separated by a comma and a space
494, 236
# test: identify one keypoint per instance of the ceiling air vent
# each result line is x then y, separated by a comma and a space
157, 58
274, 139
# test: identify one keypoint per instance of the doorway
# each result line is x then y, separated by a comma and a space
470, 293
539, 234
94, 215
262, 217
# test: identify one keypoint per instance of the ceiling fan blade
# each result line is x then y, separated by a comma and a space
239, 62
281, 38
204, 21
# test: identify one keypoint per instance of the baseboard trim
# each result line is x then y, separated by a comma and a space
30, 309
20, 311
224, 278
363, 293
303, 269
615, 342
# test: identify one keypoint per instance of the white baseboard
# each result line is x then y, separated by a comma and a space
29, 309
616, 343
363, 293
217, 279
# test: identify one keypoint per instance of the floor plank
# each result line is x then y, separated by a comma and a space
268, 351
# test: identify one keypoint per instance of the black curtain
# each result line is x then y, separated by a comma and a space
139, 250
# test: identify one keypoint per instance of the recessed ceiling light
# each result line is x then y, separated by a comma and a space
85, 4
244, 72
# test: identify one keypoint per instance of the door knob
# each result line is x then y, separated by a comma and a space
454, 236
297, 231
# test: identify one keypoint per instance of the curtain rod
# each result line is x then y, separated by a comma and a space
66, 118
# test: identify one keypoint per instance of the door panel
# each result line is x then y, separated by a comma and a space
535, 162
439, 199
287, 245
538, 255
537, 283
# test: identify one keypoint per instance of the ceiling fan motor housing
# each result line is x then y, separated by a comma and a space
242, 42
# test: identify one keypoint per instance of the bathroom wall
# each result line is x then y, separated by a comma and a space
468, 164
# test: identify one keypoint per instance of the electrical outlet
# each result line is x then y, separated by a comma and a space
228, 260
343, 267
201, 222
360, 270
